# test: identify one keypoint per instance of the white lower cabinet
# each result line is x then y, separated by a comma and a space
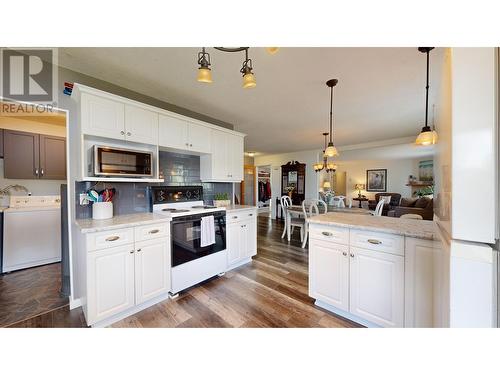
329, 270
122, 277
110, 282
377, 287
152, 278
241, 240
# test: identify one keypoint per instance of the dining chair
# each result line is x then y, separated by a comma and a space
310, 209
285, 201
338, 201
291, 222
412, 216
349, 202
378, 209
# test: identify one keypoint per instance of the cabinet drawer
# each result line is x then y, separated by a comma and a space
384, 242
329, 233
149, 232
111, 238
233, 217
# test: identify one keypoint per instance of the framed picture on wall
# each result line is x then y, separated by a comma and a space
376, 180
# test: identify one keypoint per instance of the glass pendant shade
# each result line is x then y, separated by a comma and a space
249, 81
426, 137
318, 167
434, 137
331, 167
331, 151
272, 50
204, 75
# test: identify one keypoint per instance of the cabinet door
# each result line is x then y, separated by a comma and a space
199, 138
173, 133
21, 155
110, 282
152, 269
235, 157
52, 157
102, 117
250, 237
233, 243
377, 287
329, 273
141, 125
219, 156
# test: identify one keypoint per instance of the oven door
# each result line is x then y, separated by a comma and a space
186, 237
110, 161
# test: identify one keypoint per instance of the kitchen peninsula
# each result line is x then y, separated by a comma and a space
377, 271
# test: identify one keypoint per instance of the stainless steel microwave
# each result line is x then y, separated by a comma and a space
112, 161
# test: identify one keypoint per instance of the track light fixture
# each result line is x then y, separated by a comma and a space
205, 74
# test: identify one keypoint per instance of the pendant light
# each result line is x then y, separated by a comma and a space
246, 70
319, 166
331, 150
427, 136
204, 72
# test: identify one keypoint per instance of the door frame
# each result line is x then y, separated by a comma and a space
242, 185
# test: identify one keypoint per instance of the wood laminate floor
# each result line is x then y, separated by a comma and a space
271, 291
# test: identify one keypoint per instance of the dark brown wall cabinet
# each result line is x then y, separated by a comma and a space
32, 156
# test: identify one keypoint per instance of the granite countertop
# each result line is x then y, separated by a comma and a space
121, 221
239, 207
423, 229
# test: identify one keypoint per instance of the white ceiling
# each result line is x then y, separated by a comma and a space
380, 95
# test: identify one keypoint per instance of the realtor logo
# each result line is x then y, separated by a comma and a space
28, 75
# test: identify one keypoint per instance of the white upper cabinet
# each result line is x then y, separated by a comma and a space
141, 125
102, 117
199, 138
225, 162
173, 133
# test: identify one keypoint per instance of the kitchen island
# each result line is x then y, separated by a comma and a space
377, 271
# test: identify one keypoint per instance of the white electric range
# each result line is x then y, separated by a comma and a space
191, 263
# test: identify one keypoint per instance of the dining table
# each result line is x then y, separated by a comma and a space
297, 211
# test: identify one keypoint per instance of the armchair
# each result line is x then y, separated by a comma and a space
394, 202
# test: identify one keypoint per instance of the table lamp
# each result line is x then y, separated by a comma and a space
359, 187
327, 185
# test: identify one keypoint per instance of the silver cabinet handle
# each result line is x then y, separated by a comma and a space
187, 144
234, 217
122, 132
41, 171
250, 214
374, 242
328, 234
129, 134
112, 238
131, 251
344, 253
36, 171
139, 250
190, 145
154, 231
352, 255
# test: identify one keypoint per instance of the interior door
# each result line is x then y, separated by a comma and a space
52, 157
152, 269
377, 287
329, 271
21, 155
110, 282
103, 117
248, 187
141, 125
199, 138
173, 132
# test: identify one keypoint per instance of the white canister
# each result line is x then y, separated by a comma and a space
102, 210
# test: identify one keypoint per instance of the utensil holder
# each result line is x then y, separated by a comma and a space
102, 210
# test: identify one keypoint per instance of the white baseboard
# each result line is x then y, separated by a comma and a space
74, 303
346, 314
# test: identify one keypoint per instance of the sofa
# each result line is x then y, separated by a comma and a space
423, 206
394, 202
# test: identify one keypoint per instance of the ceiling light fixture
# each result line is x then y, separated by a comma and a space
427, 136
319, 166
331, 150
205, 74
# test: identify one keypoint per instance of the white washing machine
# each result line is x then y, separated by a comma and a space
31, 232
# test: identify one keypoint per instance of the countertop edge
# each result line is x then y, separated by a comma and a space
111, 226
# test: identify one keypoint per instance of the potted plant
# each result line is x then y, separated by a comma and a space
221, 200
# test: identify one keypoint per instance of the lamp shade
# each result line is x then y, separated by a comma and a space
426, 137
359, 187
204, 75
249, 81
331, 151
272, 50
327, 185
